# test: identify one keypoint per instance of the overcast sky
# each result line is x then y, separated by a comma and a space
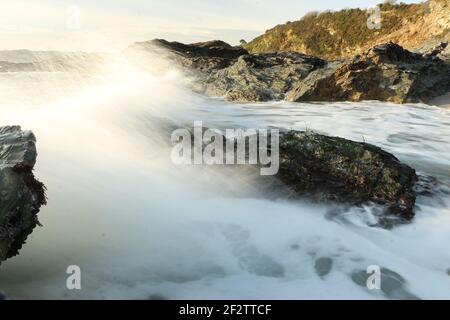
114, 24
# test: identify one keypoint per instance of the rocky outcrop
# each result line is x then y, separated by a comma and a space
339, 170
386, 72
440, 49
202, 56
260, 77
21, 195
220, 70
328, 169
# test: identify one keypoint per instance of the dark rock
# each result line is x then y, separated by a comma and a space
386, 72
339, 170
21, 195
336, 170
260, 77
323, 266
215, 48
202, 56
221, 70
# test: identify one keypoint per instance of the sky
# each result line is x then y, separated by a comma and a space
102, 25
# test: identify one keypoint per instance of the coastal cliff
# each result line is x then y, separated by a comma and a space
338, 35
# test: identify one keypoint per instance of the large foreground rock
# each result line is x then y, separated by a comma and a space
21, 195
328, 169
386, 72
340, 170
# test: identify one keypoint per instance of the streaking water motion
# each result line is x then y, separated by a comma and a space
140, 227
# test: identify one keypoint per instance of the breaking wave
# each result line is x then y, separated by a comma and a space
140, 227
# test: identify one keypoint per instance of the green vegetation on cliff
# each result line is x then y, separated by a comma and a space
333, 35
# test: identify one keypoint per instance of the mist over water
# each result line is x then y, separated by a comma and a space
140, 227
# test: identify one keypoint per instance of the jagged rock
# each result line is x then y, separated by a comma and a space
312, 82
21, 195
260, 77
202, 56
440, 49
221, 70
327, 169
386, 72
340, 170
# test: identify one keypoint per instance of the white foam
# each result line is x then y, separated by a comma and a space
139, 227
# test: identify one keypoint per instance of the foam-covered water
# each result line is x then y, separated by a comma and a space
139, 227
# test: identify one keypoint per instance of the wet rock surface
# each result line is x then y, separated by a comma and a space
385, 72
335, 169
328, 169
21, 195
323, 266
